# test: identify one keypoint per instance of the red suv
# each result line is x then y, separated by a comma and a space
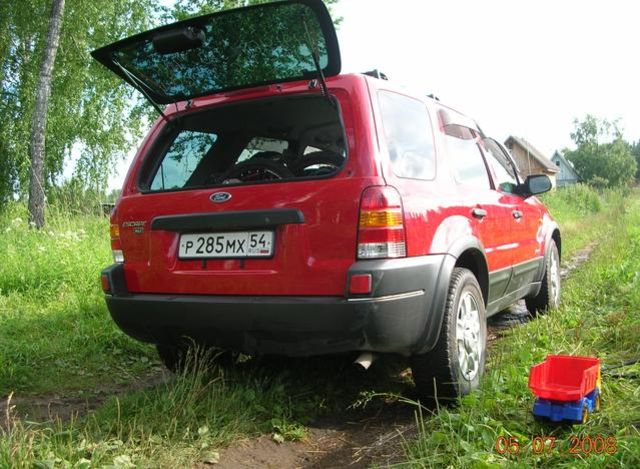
278, 207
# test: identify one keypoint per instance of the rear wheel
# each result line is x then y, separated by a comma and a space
456, 364
549, 295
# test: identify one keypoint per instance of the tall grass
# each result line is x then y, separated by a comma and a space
55, 331
575, 199
584, 214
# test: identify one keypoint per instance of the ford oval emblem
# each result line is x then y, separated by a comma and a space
220, 197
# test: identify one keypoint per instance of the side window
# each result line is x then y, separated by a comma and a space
185, 154
468, 162
407, 129
506, 179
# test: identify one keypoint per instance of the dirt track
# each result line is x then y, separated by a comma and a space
355, 438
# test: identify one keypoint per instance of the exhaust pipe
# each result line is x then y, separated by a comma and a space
365, 359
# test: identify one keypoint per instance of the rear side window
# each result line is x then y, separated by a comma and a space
464, 152
181, 160
409, 136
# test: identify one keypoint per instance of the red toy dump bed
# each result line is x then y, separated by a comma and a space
564, 377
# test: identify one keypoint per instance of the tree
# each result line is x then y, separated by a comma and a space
91, 116
36, 180
184, 9
635, 151
602, 156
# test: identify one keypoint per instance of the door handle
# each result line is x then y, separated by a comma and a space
517, 214
479, 213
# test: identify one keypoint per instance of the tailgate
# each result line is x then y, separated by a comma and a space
313, 244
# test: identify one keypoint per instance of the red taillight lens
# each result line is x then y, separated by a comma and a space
116, 245
105, 283
360, 284
381, 228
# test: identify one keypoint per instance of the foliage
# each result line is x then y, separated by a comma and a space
184, 9
579, 198
602, 157
635, 151
90, 113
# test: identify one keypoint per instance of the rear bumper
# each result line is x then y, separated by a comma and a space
391, 319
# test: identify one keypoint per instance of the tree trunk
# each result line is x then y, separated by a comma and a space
39, 122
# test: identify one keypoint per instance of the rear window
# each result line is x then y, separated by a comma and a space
253, 142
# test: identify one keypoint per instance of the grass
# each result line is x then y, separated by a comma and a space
55, 332
584, 214
600, 319
57, 338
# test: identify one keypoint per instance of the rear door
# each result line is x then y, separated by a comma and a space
485, 207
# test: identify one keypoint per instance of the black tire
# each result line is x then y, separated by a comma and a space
548, 297
438, 374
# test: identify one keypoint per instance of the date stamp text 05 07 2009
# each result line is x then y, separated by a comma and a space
579, 445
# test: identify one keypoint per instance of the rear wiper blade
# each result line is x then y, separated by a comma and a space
140, 85
313, 48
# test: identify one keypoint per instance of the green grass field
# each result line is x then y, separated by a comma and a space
56, 338
55, 333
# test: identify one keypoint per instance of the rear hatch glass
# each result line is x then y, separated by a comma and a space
229, 50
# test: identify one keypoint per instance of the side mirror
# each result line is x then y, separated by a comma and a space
535, 184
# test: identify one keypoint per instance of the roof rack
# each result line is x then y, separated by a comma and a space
375, 73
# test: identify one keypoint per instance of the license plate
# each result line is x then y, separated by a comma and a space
226, 245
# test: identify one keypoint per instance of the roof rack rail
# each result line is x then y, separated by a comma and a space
433, 96
375, 73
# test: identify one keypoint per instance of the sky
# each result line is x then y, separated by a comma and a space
518, 67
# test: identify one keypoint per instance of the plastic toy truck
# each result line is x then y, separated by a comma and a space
567, 388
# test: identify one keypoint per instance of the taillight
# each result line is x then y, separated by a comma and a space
104, 280
381, 228
116, 245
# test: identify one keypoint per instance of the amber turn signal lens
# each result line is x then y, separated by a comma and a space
380, 218
115, 231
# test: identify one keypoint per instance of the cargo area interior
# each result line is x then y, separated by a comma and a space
255, 141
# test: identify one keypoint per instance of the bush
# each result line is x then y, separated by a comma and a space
579, 198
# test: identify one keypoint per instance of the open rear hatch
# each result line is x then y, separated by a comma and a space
232, 49
248, 197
